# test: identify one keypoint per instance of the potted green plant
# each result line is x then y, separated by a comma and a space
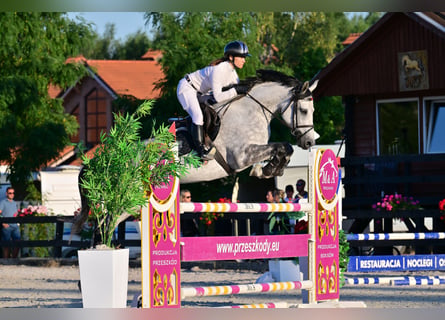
115, 182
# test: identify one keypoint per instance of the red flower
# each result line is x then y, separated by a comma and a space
208, 218
442, 205
301, 227
32, 211
442, 208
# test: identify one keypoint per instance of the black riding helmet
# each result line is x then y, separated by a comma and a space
237, 49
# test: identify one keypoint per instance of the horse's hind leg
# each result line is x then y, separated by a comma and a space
277, 154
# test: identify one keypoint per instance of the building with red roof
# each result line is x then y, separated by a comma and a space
90, 100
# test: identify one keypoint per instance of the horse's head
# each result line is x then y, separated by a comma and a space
301, 115
278, 93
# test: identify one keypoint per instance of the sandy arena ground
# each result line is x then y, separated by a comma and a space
55, 285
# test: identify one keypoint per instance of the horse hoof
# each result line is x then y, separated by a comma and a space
268, 171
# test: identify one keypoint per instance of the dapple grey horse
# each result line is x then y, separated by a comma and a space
243, 138
244, 131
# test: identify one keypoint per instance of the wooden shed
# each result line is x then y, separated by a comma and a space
391, 79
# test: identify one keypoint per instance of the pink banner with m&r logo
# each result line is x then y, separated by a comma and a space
327, 182
244, 247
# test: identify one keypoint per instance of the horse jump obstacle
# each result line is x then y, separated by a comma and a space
161, 245
397, 263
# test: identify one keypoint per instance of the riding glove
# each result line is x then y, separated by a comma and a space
241, 89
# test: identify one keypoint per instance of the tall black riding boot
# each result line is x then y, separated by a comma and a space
197, 132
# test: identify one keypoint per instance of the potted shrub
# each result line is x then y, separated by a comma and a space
115, 182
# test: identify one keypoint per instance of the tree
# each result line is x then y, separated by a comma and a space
297, 43
134, 46
308, 42
106, 47
34, 128
102, 47
360, 23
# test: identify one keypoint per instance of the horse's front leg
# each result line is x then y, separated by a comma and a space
276, 154
278, 168
275, 166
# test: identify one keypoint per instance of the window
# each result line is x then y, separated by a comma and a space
96, 116
398, 127
435, 142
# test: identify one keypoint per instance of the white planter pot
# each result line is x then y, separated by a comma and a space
104, 278
285, 270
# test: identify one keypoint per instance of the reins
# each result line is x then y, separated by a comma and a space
295, 125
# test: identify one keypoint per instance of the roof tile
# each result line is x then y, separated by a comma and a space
136, 78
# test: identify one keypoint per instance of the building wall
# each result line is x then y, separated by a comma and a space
60, 190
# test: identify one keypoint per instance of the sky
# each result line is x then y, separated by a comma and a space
126, 22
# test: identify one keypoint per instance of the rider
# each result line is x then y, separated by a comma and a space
211, 80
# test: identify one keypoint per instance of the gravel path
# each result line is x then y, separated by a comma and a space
55, 285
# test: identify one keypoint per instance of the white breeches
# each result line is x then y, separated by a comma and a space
188, 99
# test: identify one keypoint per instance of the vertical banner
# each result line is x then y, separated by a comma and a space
161, 261
326, 205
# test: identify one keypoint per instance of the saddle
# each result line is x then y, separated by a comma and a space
212, 121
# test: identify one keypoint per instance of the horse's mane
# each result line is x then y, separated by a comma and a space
272, 76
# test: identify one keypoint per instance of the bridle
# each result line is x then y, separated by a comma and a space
294, 99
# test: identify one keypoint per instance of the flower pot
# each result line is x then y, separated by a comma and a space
104, 277
285, 270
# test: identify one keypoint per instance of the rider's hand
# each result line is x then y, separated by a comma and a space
211, 101
241, 89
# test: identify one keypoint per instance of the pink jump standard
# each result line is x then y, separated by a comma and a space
163, 250
160, 248
324, 260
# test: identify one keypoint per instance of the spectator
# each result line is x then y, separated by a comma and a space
301, 193
186, 195
189, 227
269, 199
274, 196
279, 198
10, 231
273, 223
269, 196
289, 198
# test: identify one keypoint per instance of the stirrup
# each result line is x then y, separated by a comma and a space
209, 155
